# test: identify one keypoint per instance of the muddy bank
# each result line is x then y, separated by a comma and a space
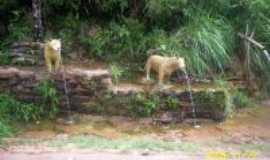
247, 134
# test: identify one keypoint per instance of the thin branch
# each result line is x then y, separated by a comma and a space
251, 40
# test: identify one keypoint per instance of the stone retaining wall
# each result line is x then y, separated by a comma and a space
92, 91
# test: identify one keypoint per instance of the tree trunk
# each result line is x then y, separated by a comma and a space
136, 6
38, 28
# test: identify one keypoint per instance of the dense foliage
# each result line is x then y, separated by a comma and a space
202, 31
13, 110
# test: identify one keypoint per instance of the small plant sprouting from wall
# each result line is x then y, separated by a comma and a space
143, 105
4, 58
172, 102
229, 106
50, 98
117, 72
241, 99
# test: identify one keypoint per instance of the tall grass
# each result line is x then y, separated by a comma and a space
205, 42
208, 42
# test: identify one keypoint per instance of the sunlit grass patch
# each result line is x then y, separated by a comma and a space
127, 143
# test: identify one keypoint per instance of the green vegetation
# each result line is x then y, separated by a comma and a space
13, 110
5, 129
204, 32
242, 100
239, 98
143, 105
117, 40
172, 102
227, 99
208, 43
4, 58
121, 33
261, 147
94, 142
217, 104
50, 99
117, 72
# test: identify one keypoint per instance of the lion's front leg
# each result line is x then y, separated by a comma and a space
161, 75
147, 70
57, 63
48, 63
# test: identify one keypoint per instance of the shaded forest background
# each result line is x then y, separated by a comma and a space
205, 32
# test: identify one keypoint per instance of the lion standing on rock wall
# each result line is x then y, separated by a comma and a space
52, 54
163, 66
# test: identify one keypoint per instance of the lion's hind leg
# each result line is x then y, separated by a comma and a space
161, 75
148, 69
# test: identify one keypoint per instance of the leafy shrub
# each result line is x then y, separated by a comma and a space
117, 72
50, 99
159, 11
205, 42
157, 8
83, 9
172, 102
202, 31
118, 40
19, 31
4, 58
164, 42
142, 106
18, 28
11, 109
5, 129
116, 6
67, 29
242, 100
228, 100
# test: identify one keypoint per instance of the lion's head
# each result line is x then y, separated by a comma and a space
181, 63
55, 44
